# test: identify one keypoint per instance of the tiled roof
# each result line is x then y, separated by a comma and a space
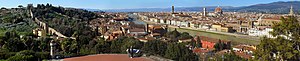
199, 50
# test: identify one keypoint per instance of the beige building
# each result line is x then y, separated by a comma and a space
268, 22
216, 27
39, 32
222, 28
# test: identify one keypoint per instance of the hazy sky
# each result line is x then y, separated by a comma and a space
121, 4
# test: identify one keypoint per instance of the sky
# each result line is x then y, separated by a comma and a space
129, 4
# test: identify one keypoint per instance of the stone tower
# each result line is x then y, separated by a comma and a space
173, 9
291, 11
204, 12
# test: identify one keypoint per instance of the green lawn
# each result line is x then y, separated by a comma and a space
235, 40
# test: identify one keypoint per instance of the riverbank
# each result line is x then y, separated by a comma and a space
235, 38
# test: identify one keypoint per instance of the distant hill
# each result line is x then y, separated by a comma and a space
93, 10
178, 9
275, 7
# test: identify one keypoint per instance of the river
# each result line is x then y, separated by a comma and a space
135, 20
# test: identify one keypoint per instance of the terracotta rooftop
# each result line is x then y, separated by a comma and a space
246, 47
199, 50
107, 57
243, 55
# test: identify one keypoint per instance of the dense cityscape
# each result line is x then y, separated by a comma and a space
46, 32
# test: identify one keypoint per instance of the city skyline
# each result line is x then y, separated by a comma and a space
131, 4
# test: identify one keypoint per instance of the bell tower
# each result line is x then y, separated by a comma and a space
291, 10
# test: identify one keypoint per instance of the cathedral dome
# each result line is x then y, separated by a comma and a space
218, 9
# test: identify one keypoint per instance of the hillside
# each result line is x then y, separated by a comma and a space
275, 7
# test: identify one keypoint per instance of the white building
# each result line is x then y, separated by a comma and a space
263, 32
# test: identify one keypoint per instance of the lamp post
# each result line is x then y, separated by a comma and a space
52, 45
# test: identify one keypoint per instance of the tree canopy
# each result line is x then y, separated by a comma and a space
286, 45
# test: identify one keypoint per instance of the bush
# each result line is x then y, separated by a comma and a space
22, 58
6, 55
28, 55
42, 55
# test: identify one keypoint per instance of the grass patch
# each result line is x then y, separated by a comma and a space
235, 40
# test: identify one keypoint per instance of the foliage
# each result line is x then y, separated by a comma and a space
6, 55
68, 46
128, 42
23, 55
285, 46
230, 57
155, 47
102, 46
196, 42
12, 42
185, 35
221, 46
175, 35
179, 52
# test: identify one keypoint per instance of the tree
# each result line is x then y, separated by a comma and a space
14, 45
185, 35
199, 44
102, 46
116, 45
179, 52
219, 46
155, 47
20, 6
136, 44
3, 8
230, 57
69, 46
286, 45
28, 42
173, 34
26, 55
172, 52
2, 42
